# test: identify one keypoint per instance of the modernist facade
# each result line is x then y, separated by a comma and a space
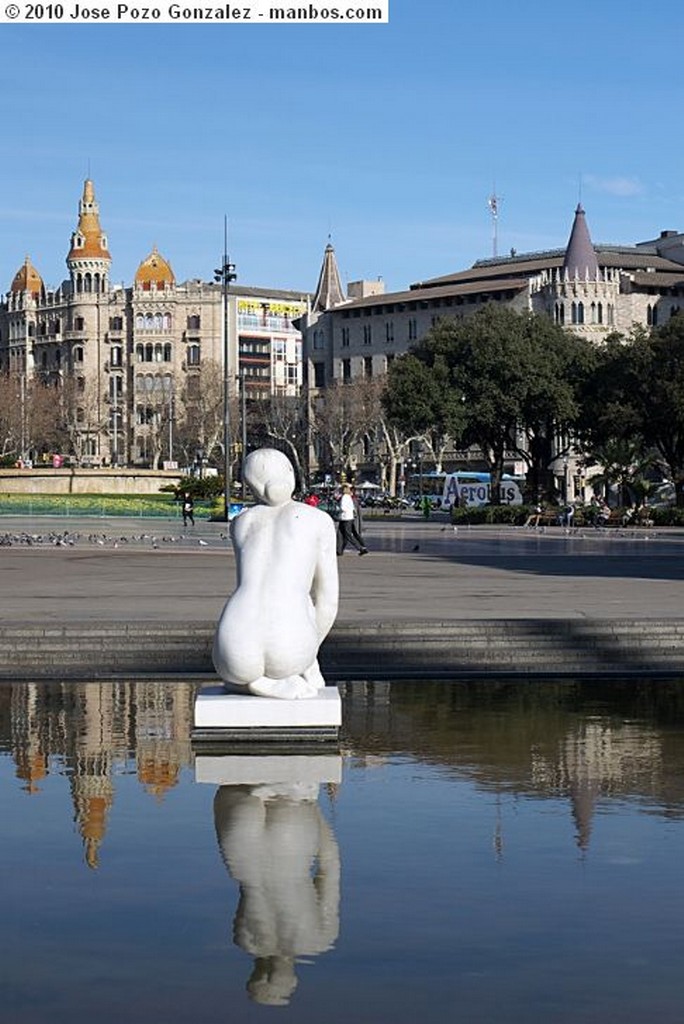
590, 289
127, 353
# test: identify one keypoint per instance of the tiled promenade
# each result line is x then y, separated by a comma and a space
127, 597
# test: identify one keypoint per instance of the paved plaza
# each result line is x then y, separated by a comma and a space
90, 571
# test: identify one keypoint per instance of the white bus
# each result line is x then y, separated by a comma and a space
472, 489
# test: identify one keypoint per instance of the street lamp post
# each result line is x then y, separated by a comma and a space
243, 405
224, 275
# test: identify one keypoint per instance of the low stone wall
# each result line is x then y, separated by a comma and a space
85, 481
507, 648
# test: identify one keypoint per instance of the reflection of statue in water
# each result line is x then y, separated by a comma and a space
285, 603
270, 838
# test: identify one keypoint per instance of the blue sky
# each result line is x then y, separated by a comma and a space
388, 137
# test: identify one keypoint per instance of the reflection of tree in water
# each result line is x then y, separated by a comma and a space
277, 845
583, 739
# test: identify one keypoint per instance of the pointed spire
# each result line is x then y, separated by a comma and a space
329, 289
580, 256
88, 239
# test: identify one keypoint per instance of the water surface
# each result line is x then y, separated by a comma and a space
478, 852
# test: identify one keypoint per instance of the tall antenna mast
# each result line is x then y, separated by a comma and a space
493, 204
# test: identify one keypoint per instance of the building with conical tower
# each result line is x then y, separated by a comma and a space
591, 289
125, 361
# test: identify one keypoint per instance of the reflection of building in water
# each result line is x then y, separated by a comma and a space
27, 739
89, 731
368, 712
507, 738
278, 846
162, 734
600, 759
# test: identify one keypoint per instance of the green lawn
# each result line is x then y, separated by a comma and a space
147, 506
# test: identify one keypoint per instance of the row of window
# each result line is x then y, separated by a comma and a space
154, 353
346, 369
435, 303
159, 383
577, 313
87, 282
412, 325
159, 322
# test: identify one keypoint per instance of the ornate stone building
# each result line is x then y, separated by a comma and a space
587, 288
590, 289
123, 356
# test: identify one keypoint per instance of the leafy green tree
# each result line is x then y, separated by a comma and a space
636, 396
501, 380
657, 379
421, 401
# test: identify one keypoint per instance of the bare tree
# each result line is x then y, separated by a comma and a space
200, 412
282, 420
340, 418
12, 409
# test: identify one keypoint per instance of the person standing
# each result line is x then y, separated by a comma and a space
347, 531
188, 509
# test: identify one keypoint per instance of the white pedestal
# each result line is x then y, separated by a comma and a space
269, 769
218, 712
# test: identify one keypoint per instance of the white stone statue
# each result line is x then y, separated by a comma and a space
287, 592
278, 846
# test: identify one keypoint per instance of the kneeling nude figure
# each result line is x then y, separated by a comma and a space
286, 599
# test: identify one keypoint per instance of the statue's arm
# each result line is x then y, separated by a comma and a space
325, 590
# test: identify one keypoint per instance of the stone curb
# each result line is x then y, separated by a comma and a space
379, 651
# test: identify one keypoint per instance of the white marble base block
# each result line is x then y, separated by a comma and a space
270, 769
216, 709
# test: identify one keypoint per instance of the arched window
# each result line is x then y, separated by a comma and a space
149, 322
193, 355
87, 283
599, 313
139, 353
593, 312
158, 321
580, 312
167, 321
158, 353
149, 353
168, 353
573, 313
194, 322
139, 322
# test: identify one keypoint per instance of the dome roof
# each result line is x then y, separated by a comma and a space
88, 239
27, 279
154, 270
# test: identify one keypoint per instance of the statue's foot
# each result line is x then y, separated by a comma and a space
290, 688
314, 675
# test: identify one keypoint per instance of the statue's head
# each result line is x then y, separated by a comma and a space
270, 475
272, 981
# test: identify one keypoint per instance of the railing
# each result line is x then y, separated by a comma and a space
93, 507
